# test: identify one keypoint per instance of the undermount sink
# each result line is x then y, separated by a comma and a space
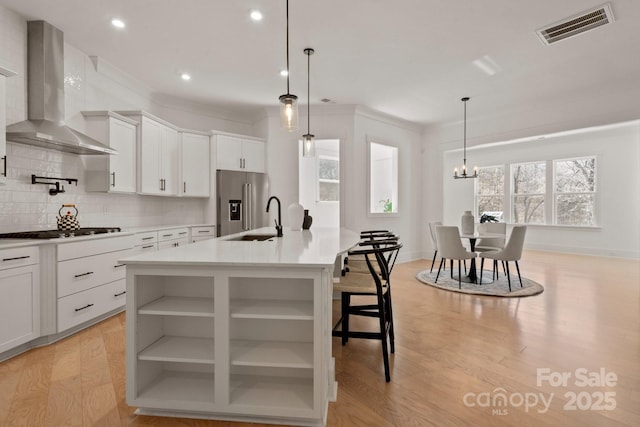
253, 238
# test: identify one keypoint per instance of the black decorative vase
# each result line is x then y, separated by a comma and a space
308, 219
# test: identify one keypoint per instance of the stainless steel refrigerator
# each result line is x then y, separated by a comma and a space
242, 201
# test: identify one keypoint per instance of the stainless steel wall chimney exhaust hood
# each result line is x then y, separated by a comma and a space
45, 101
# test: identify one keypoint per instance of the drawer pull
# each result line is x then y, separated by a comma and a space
15, 258
167, 235
204, 231
84, 274
121, 293
183, 232
148, 246
119, 265
85, 307
148, 238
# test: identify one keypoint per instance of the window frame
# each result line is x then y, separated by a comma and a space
550, 194
555, 192
395, 196
319, 180
502, 194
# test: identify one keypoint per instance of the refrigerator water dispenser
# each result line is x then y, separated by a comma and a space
235, 210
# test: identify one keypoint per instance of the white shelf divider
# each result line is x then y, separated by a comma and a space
180, 349
273, 354
179, 306
271, 309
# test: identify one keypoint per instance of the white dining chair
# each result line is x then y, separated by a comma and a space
450, 247
485, 244
511, 252
434, 241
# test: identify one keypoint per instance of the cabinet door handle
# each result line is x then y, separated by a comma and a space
148, 246
113, 179
4, 160
85, 307
148, 238
119, 265
121, 293
240, 162
184, 187
15, 258
84, 274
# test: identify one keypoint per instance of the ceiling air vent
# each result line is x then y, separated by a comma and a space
569, 27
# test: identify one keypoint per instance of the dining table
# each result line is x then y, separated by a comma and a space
472, 275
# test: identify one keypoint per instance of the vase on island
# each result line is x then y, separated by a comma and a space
296, 216
467, 223
308, 219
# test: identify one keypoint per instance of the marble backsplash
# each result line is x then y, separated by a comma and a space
25, 206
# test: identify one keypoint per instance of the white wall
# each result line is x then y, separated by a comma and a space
351, 126
324, 214
617, 151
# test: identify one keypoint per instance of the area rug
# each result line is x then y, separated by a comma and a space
499, 288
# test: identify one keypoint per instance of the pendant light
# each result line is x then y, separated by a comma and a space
308, 144
464, 149
288, 101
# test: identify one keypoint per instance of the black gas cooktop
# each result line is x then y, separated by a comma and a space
55, 234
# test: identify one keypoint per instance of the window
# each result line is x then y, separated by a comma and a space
328, 179
528, 193
490, 191
575, 191
383, 179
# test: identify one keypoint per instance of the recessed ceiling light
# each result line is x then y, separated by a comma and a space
284, 73
185, 76
256, 15
118, 23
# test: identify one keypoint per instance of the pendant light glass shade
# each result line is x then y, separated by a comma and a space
288, 101
308, 144
289, 112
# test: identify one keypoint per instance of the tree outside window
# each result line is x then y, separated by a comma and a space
490, 190
328, 179
575, 186
528, 190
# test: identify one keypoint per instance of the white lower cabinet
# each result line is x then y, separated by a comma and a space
173, 237
20, 296
202, 232
90, 280
227, 343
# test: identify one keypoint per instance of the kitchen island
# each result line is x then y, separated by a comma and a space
232, 329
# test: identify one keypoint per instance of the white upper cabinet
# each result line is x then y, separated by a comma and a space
239, 153
4, 73
112, 173
157, 155
195, 170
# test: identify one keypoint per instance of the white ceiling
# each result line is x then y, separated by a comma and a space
412, 59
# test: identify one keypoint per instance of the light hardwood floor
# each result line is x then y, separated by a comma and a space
448, 346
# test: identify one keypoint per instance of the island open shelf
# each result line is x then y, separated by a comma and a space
234, 330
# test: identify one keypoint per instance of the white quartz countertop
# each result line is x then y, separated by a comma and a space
315, 247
